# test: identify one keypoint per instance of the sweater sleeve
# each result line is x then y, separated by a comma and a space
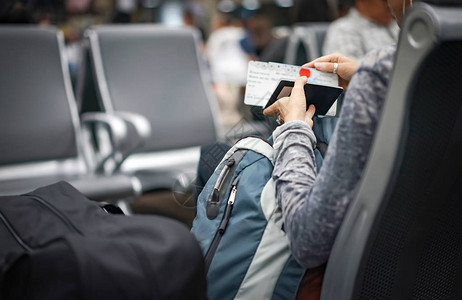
314, 205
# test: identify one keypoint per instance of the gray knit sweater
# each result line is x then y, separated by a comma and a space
314, 204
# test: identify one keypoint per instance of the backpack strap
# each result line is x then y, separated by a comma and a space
256, 144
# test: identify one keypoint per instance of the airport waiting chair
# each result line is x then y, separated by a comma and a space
156, 72
41, 138
401, 237
305, 42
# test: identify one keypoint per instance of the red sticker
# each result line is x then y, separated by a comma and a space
305, 72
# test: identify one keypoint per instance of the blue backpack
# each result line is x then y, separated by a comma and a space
239, 226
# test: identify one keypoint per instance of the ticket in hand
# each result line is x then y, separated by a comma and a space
263, 78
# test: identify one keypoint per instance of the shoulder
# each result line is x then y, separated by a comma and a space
369, 84
345, 32
344, 24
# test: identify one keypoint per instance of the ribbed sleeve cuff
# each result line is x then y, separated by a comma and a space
295, 126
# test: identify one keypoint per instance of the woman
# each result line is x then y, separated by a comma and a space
314, 204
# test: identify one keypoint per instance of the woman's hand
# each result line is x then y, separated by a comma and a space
345, 69
293, 107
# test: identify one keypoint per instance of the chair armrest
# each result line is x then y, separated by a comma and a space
117, 127
127, 132
109, 135
140, 124
108, 188
142, 132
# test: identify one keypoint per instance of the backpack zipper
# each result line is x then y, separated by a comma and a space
218, 193
223, 224
215, 195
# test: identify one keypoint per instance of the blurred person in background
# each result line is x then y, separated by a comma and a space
227, 59
228, 64
343, 6
123, 11
259, 33
192, 15
26, 12
368, 25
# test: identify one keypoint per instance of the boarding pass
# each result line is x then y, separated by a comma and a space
263, 78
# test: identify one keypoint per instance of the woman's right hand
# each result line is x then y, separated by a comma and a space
345, 70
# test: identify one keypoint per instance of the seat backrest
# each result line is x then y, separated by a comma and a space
38, 116
154, 71
401, 236
305, 42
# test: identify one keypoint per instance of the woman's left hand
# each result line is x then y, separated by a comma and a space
293, 107
346, 67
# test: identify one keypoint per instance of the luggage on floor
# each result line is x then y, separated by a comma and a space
57, 244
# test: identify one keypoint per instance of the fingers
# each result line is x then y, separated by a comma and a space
330, 58
325, 67
272, 109
325, 58
278, 107
345, 70
292, 107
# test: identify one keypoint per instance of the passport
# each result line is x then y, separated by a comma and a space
263, 79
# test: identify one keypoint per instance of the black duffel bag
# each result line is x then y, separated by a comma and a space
57, 244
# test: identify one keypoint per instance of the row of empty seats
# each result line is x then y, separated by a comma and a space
155, 72
41, 137
141, 114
